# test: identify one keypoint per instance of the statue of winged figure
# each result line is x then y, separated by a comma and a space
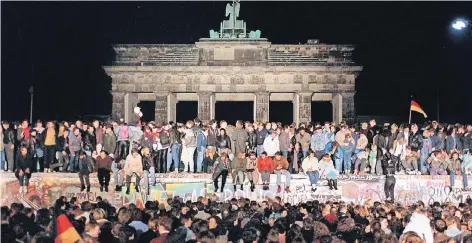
233, 9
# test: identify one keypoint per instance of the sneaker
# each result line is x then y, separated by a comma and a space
279, 189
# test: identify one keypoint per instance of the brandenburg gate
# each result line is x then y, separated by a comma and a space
233, 65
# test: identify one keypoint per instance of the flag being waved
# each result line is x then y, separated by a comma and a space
66, 233
417, 108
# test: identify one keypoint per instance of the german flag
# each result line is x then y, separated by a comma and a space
66, 233
417, 108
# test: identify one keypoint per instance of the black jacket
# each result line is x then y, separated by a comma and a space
252, 140
9, 137
223, 142
148, 162
290, 161
86, 165
212, 137
261, 135
415, 141
61, 144
164, 139
23, 162
174, 136
90, 141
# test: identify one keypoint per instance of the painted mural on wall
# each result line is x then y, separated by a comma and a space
43, 191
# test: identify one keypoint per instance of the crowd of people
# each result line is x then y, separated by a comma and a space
251, 151
245, 150
240, 221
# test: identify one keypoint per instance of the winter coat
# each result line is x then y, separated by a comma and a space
109, 142
86, 165
281, 162
304, 140
338, 153
451, 143
75, 143
265, 164
238, 165
261, 136
466, 141
362, 142
90, 141
221, 166
290, 159
415, 141
310, 163
384, 140
147, 141
61, 143
9, 136
223, 142
202, 142
240, 138
271, 146
148, 163
23, 162
212, 137
174, 136
190, 139
284, 140
164, 138
318, 141
252, 140
133, 165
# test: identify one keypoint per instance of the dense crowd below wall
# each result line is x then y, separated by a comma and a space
247, 149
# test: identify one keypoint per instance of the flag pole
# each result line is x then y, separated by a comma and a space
409, 118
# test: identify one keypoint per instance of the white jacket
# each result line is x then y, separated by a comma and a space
420, 224
271, 146
310, 163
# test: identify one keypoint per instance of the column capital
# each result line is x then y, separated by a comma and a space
205, 93
305, 93
163, 93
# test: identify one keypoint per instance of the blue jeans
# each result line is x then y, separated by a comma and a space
465, 181
305, 152
338, 163
73, 161
200, 156
2, 160
151, 173
279, 177
347, 161
285, 154
175, 158
423, 167
259, 150
313, 176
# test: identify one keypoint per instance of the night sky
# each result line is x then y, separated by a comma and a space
406, 48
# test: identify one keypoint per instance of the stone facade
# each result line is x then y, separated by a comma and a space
247, 69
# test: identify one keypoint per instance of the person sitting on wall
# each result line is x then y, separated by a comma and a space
281, 168
238, 166
209, 160
23, 165
327, 170
265, 165
222, 167
251, 169
104, 163
310, 166
133, 166
149, 169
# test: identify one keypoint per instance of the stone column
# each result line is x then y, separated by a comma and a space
304, 106
296, 108
172, 107
261, 106
212, 106
348, 112
205, 106
337, 108
161, 113
130, 101
117, 107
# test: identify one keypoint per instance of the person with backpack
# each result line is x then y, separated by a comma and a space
85, 168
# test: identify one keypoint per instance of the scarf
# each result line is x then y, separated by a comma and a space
26, 133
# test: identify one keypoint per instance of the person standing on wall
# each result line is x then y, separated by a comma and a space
104, 163
85, 168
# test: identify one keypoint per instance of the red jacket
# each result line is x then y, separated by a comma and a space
265, 164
